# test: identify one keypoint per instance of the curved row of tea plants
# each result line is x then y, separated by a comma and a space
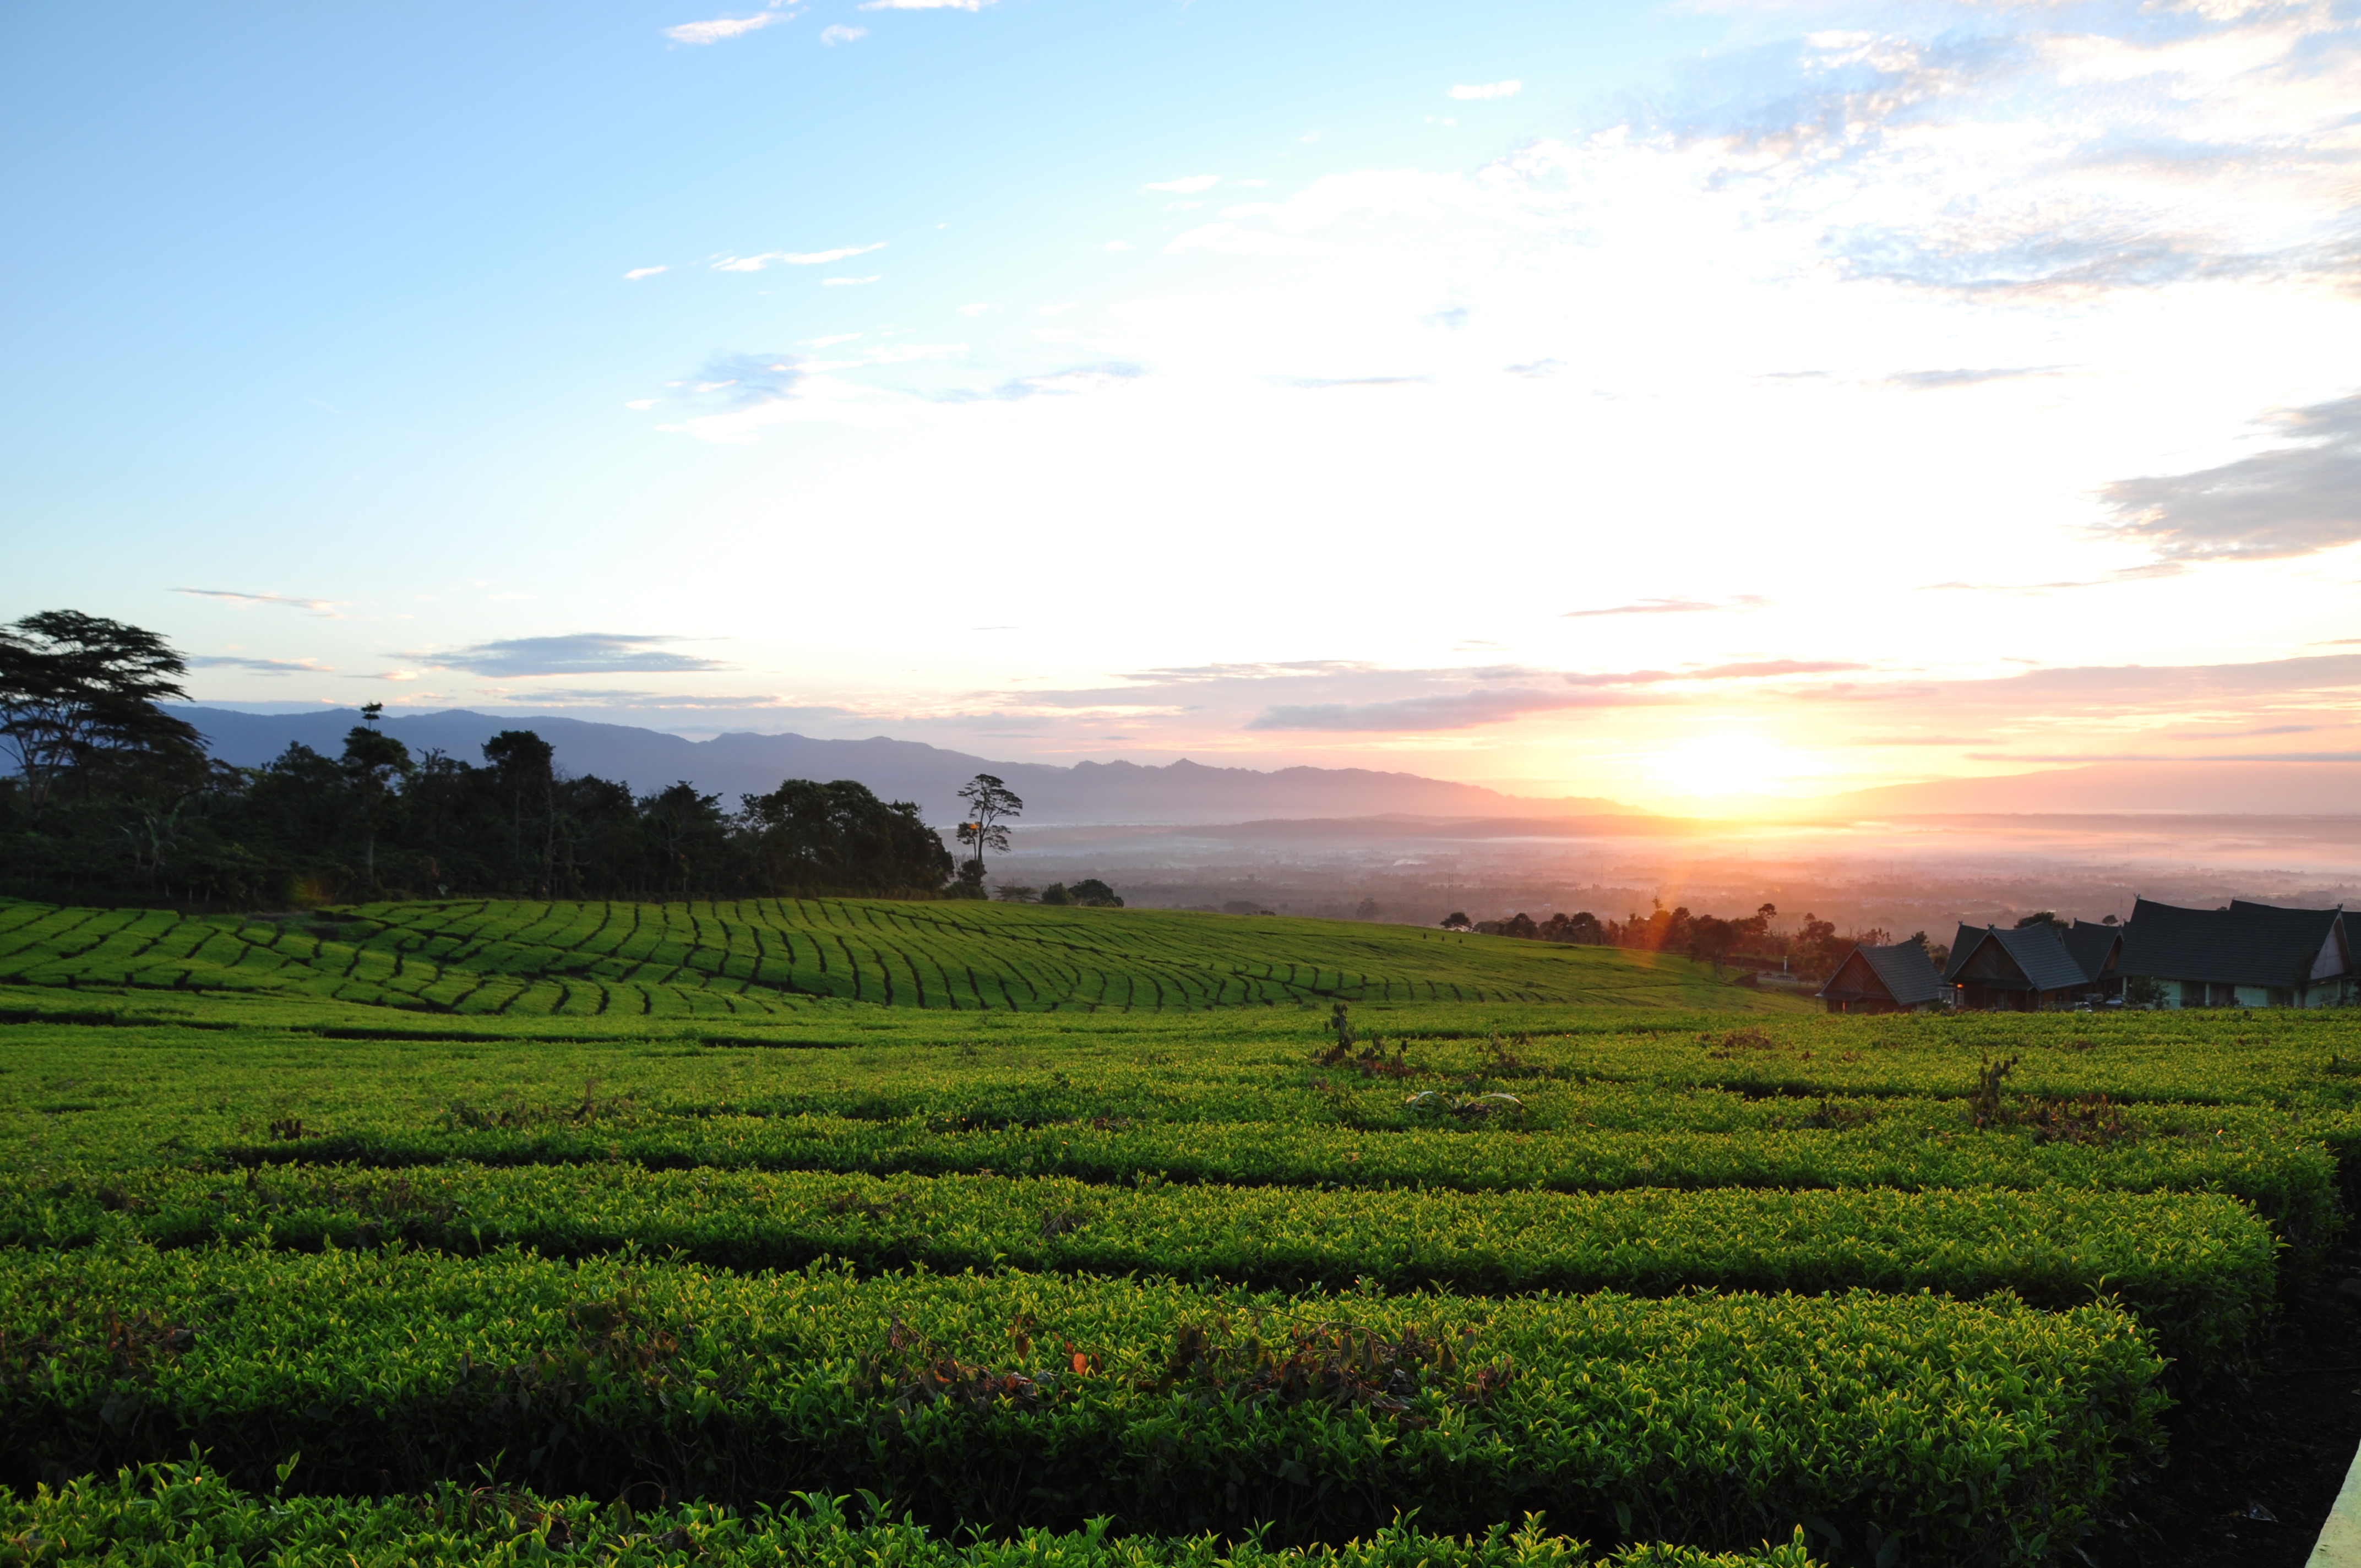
1973, 1434
187, 1514
2198, 1269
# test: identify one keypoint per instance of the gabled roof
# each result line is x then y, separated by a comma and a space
2039, 951
1906, 972
1963, 946
2092, 946
2247, 944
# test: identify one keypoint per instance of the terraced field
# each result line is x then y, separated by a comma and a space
1513, 1259
770, 958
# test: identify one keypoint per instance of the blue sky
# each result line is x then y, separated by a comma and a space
1618, 399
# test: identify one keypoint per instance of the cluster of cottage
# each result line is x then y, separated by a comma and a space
2244, 955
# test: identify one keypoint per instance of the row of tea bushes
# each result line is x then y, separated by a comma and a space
2196, 1268
187, 1516
1983, 1433
2289, 1178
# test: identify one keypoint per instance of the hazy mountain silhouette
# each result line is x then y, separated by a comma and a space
1182, 792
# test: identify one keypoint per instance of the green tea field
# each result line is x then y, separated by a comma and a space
861, 1232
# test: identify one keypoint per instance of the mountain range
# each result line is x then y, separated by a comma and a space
730, 765
1186, 792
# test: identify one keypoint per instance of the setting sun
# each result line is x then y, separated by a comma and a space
1726, 762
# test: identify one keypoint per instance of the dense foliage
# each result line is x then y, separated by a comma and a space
1194, 1223
1019, 1400
113, 796
179, 1516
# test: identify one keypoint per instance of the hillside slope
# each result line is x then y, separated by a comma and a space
768, 957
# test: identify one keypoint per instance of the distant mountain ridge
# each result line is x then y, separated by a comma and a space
729, 766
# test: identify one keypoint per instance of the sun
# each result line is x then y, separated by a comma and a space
1727, 762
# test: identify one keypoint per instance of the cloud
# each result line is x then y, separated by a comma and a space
1188, 186
2165, 757
1500, 704
1464, 710
840, 34
1937, 381
1507, 89
1671, 606
582, 654
636, 273
261, 666
1056, 383
2288, 501
924, 4
319, 606
1322, 383
793, 257
721, 27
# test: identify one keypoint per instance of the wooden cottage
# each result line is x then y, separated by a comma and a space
2036, 968
2244, 955
1897, 979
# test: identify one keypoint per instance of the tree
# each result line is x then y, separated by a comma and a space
1456, 921
990, 805
373, 761
839, 837
75, 688
1710, 938
1094, 893
525, 764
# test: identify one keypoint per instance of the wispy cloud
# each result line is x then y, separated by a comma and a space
1322, 383
636, 273
1671, 606
246, 600
582, 654
1507, 89
840, 34
721, 27
1938, 380
924, 4
2288, 501
1419, 715
793, 257
260, 666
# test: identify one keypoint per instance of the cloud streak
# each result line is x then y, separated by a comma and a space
260, 666
244, 600
721, 27
793, 257
581, 654
1671, 606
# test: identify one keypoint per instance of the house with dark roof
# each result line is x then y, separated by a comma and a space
2036, 968
1897, 979
2244, 955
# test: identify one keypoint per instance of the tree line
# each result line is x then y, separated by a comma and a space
113, 796
1813, 950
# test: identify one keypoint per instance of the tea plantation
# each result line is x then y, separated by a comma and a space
868, 1233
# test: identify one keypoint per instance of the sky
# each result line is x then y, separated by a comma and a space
1654, 402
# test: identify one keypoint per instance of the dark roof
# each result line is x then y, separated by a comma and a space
2040, 952
1907, 973
2092, 946
2247, 944
1962, 945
